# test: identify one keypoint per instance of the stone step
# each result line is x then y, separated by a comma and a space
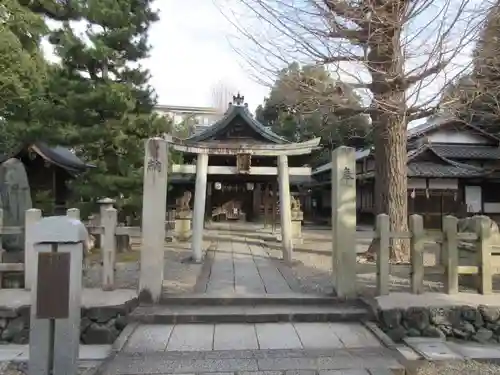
172, 314
204, 299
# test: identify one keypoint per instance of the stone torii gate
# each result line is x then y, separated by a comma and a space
155, 195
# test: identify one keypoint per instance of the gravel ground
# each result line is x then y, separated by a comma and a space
179, 276
315, 267
459, 368
21, 368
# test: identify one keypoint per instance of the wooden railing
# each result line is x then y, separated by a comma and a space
483, 261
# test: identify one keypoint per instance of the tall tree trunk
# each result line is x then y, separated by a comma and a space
389, 121
391, 179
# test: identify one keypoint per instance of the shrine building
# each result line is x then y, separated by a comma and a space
236, 161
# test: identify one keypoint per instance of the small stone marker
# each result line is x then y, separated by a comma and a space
56, 296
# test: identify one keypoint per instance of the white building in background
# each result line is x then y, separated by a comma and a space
202, 116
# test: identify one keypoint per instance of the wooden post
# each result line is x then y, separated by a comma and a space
382, 229
449, 254
33, 216
484, 247
109, 223
417, 253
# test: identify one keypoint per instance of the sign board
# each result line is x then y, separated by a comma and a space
52, 300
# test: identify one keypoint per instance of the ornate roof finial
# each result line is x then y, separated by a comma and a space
238, 99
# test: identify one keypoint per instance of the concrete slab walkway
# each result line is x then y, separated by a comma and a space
149, 338
305, 348
241, 265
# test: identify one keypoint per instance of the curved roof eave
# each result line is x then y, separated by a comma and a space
226, 120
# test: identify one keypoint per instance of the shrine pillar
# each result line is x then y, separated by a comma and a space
154, 208
344, 221
285, 208
199, 206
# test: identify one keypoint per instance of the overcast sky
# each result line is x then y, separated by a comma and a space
191, 53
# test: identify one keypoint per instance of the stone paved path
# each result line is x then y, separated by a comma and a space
306, 348
240, 265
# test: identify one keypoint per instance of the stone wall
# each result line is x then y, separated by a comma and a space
480, 324
99, 325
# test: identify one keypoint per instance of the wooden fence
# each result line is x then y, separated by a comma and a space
483, 260
107, 229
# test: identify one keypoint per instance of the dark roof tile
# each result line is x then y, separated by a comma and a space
233, 112
477, 152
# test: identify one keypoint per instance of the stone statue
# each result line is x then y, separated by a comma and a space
15, 200
182, 203
295, 203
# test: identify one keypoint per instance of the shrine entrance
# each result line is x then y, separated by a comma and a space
238, 164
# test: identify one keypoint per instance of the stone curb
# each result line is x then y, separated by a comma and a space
341, 316
409, 365
124, 336
265, 299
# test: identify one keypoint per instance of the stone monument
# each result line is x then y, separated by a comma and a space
183, 217
15, 200
297, 217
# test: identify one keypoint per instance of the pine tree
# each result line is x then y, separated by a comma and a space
22, 73
100, 96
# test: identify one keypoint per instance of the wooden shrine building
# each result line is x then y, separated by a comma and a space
242, 166
49, 169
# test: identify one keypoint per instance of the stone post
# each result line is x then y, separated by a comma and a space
56, 296
344, 221
108, 247
297, 218
154, 208
182, 226
285, 208
199, 207
33, 216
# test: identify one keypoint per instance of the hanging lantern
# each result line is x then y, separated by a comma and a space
217, 186
250, 186
412, 194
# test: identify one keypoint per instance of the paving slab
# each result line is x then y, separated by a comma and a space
149, 337
354, 335
235, 337
242, 267
317, 335
277, 336
472, 350
191, 337
344, 372
435, 350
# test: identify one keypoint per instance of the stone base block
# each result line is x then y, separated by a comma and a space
297, 216
183, 228
296, 229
